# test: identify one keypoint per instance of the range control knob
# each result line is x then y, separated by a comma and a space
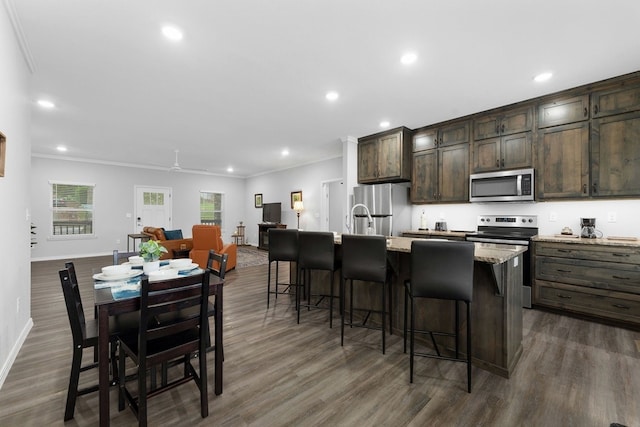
530, 219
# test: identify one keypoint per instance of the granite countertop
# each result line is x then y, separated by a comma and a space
443, 234
491, 253
606, 241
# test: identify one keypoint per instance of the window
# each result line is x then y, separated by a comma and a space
72, 209
211, 208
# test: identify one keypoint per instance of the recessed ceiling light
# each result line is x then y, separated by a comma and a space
46, 104
229, 169
285, 152
408, 58
172, 33
332, 96
543, 77
61, 148
384, 124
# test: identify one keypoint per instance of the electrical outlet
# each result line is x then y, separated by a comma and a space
117, 241
553, 216
612, 217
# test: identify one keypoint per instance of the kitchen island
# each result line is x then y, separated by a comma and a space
496, 309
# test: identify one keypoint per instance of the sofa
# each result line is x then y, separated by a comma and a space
207, 237
171, 244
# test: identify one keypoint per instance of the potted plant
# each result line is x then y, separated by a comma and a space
151, 251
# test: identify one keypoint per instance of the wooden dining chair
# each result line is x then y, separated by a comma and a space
119, 257
158, 343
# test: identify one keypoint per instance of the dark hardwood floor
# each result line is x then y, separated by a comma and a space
572, 373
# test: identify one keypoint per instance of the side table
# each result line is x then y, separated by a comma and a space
181, 253
134, 237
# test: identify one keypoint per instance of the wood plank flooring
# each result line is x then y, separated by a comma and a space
279, 373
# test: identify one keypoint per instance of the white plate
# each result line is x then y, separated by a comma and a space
165, 274
187, 268
111, 278
133, 264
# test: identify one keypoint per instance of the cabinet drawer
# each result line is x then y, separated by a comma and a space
594, 274
618, 254
593, 302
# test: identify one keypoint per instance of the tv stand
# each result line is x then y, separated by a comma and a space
263, 234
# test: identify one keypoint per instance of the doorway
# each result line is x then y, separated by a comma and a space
331, 206
153, 207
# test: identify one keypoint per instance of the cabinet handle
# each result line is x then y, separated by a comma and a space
497, 163
586, 112
624, 307
595, 109
502, 128
502, 162
621, 277
563, 271
621, 255
563, 296
497, 128
584, 188
595, 187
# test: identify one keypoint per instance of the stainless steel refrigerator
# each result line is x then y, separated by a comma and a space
388, 205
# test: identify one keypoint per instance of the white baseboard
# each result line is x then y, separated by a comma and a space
4, 372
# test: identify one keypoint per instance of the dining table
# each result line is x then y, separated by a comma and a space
110, 302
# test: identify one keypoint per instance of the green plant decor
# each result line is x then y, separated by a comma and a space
151, 250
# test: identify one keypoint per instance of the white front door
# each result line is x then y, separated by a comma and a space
153, 207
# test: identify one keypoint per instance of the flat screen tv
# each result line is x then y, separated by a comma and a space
271, 212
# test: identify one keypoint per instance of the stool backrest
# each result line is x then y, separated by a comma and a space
364, 257
283, 244
442, 270
316, 250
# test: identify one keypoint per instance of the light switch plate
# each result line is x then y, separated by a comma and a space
612, 217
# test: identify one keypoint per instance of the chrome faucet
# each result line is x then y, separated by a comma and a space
370, 228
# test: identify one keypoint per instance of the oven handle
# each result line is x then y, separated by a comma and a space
502, 241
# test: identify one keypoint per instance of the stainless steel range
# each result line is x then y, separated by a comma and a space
510, 230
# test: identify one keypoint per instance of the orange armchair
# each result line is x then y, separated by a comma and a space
207, 237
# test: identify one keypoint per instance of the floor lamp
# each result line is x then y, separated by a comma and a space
298, 207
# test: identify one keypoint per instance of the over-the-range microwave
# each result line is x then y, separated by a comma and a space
503, 186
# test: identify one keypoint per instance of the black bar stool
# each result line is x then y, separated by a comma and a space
440, 270
316, 252
283, 246
364, 258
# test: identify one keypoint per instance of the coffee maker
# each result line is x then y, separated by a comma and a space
588, 228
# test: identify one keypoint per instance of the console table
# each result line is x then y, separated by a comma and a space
263, 234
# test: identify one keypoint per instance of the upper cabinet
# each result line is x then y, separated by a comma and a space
615, 101
563, 111
505, 123
385, 157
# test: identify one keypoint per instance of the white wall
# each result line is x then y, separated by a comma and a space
15, 270
277, 187
114, 199
463, 216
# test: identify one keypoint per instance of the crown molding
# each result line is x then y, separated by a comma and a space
17, 30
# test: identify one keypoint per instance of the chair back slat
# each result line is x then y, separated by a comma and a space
73, 303
217, 263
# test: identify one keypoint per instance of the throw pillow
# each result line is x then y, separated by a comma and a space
173, 234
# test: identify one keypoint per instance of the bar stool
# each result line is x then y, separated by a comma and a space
283, 246
364, 258
316, 252
440, 270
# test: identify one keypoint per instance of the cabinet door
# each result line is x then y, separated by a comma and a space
563, 162
367, 160
516, 121
515, 151
453, 173
486, 127
425, 139
486, 155
456, 133
563, 111
390, 156
615, 101
424, 185
615, 156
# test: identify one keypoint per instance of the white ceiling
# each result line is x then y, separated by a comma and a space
250, 76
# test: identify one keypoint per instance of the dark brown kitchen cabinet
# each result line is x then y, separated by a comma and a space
563, 111
615, 156
442, 136
599, 281
385, 157
563, 162
507, 152
441, 175
618, 100
505, 123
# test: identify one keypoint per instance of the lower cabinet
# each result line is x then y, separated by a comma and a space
596, 280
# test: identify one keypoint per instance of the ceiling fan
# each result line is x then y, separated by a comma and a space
176, 166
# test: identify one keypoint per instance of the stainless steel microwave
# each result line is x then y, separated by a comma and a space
503, 186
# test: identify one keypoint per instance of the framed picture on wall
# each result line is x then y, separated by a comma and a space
257, 200
3, 152
296, 196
